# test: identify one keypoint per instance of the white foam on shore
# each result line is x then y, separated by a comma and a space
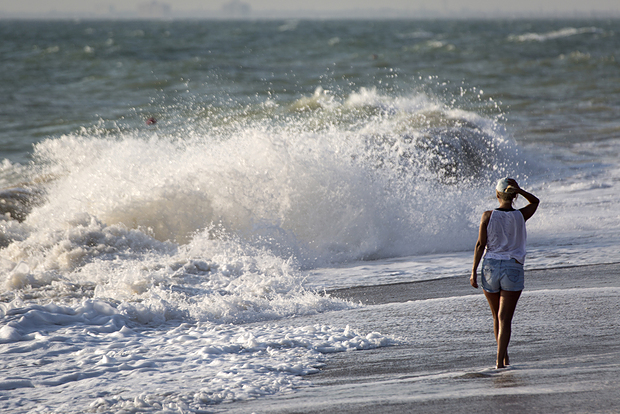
112, 367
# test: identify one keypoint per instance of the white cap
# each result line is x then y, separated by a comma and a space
502, 186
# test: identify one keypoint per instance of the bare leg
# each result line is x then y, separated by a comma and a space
502, 306
507, 304
493, 299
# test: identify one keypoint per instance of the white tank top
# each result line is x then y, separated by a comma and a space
506, 236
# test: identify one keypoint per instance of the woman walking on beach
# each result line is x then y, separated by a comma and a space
501, 239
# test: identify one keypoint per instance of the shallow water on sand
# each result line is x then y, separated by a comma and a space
564, 353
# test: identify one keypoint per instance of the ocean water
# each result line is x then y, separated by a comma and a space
149, 266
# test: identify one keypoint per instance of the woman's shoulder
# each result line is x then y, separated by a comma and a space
486, 216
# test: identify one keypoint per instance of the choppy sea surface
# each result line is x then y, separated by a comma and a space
153, 265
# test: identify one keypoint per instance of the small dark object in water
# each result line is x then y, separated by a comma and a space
151, 121
15, 204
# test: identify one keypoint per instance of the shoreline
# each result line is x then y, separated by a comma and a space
565, 350
535, 279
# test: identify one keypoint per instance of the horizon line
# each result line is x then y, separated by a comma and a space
350, 14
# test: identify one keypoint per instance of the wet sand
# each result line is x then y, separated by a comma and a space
565, 350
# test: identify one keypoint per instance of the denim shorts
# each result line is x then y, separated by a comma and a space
502, 275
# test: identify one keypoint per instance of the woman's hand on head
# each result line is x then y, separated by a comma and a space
512, 183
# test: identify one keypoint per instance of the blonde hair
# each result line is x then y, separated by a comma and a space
507, 195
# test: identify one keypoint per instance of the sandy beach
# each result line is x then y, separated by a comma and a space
564, 351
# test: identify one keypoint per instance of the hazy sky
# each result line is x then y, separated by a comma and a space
453, 7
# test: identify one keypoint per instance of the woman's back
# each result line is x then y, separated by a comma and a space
506, 236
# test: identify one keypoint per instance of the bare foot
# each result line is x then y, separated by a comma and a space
504, 363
